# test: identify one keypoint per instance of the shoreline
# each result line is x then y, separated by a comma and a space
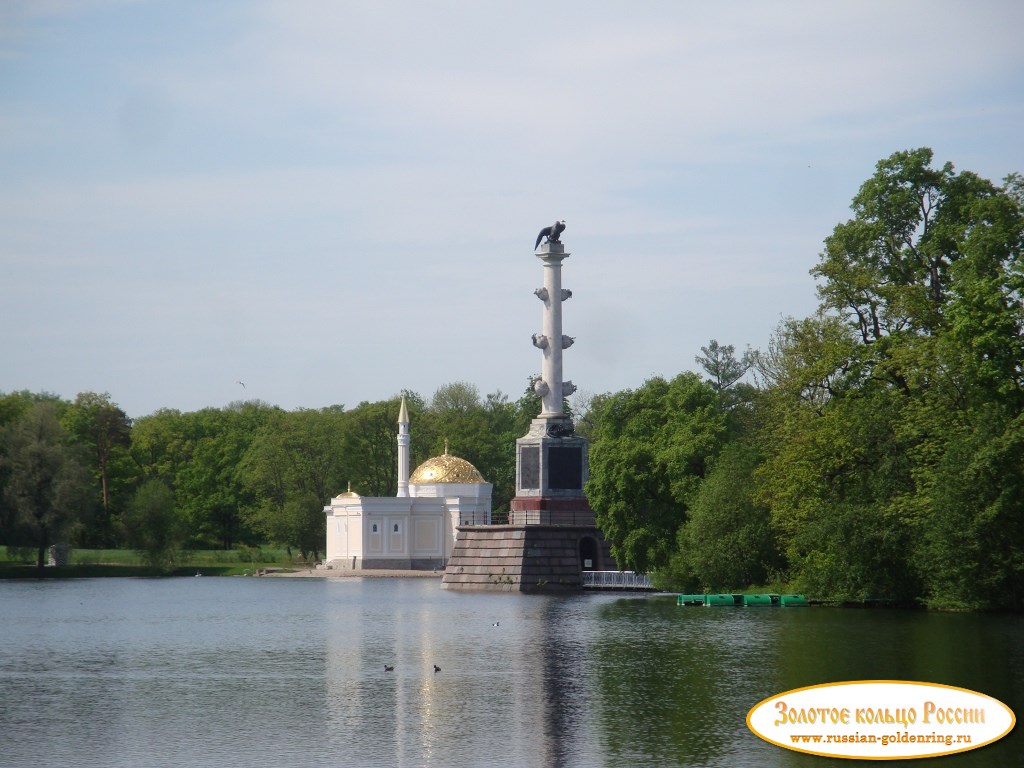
383, 573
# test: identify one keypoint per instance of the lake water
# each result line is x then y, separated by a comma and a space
246, 672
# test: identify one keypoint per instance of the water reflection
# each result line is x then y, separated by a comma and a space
487, 705
244, 672
134, 672
674, 685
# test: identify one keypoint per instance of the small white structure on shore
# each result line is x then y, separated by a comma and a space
414, 530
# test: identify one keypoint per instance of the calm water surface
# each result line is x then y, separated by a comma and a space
262, 672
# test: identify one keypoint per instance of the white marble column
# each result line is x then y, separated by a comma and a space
550, 340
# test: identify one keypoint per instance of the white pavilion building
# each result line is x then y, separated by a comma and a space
414, 530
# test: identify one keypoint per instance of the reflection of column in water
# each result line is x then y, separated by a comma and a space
566, 681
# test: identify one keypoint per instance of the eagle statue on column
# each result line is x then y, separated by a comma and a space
552, 233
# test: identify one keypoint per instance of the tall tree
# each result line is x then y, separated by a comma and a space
866, 473
161, 445
105, 430
13, 406
722, 367
46, 482
497, 462
155, 526
294, 466
649, 455
728, 542
207, 486
482, 431
456, 397
887, 268
370, 445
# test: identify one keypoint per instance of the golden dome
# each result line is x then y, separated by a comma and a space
446, 469
349, 494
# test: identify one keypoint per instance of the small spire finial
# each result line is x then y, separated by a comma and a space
446, 446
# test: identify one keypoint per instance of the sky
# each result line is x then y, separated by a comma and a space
336, 201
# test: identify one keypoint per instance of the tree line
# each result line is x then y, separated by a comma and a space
874, 450
879, 453
245, 474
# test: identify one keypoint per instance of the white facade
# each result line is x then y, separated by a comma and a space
414, 530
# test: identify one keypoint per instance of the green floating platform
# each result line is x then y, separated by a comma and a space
762, 600
751, 600
797, 601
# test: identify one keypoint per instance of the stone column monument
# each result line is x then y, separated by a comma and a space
551, 461
550, 538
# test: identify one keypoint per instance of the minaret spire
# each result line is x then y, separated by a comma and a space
403, 449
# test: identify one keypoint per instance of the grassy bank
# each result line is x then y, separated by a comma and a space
94, 563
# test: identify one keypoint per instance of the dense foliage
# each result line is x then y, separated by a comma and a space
241, 475
874, 450
881, 455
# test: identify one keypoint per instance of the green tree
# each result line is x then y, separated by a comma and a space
208, 487
866, 472
973, 550
728, 542
836, 470
161, 445
105, 430
498, 460
13, 406
651, 451
294, 466
721, 365
456, 397
155, 526
370, 446
46, 483
888, 266
198, 455
725, 373
482, 431
455, 417
968, 422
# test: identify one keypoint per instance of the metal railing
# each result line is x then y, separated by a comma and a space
616, 580
551, 517
477, 518
531, 517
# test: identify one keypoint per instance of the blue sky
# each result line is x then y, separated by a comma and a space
334, 201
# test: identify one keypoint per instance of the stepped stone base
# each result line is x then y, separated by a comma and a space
522, 558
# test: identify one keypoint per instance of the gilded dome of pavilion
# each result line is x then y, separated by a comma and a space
446, 469
349, 494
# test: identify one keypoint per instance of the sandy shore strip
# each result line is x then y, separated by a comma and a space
337, 573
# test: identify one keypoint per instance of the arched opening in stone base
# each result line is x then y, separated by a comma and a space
590, 554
